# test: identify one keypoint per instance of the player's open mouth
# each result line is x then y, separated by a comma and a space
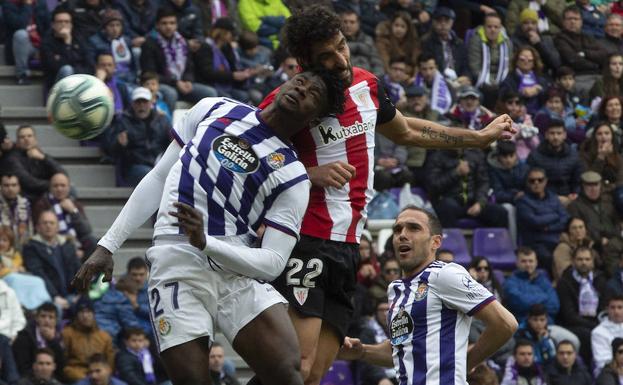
291, 99
404, 249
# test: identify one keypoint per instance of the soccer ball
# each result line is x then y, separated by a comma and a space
80, 106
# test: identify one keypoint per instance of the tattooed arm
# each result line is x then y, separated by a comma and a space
427, 134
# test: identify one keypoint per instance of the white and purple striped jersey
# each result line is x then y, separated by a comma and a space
232, 168
429, 320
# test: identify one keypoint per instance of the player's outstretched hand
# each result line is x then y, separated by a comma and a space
335, 174
501, 128
352, 349
191, 222
99, 262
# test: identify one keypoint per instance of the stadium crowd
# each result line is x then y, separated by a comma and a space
555, 66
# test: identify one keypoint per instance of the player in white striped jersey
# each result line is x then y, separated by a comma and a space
233, 167
430, 313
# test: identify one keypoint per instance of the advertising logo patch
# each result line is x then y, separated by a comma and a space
401, 327
235, 154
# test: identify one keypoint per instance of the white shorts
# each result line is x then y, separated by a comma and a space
188, 299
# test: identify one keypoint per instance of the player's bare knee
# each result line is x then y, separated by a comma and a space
289, 372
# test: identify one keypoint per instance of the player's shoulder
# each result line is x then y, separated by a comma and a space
360, 74
443, 274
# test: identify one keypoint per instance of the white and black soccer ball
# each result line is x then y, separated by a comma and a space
80, 106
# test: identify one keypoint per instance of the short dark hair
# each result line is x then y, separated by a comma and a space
98, 358
615, 297
126, 284
554, 123
347, 11
62, 9
537, 310
443, 251
216, 344
493, 15
149, 75
47, 351
565, 342
522, 342
388, 260
434, 224
248, 40
103, 52
571, 9
398, 59
525, 250
426, 56
129, 332
581, 249
136, 263
564, 71
537, 169
165, 12
506, 147
314, 24
47, 307
22, 127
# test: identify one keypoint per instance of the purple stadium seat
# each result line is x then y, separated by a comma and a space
454, 241
496, 245
468, 223
339, 374
499, 276
420, 192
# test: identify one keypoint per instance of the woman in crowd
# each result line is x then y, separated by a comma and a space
527, 137
480, 269
611, 83
610, 112
574, 236
396, 38
600, 153
612, 373
369, 266
526, 78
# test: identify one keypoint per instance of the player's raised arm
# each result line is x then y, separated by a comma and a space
423, 133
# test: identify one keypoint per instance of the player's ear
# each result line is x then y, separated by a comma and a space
436, 242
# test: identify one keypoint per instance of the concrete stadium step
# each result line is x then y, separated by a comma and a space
21, 96
104, 216
104, 195
2, 61
74, 155
243, 371
123, 255
141, 238
91, 175
20, 115
46, 135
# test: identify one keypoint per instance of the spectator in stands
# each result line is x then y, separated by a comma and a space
566, 369
581, 52
489, 54
12, 318
555, 111
612, 372
535, 330
369, 267
572, 100
613, 34
138, 137
574, 236
217, 360
151, 81
31, 165
429, 77
72, 219
265, 18
88, 16
390, 168
15, 210
212, 10
528, 34
82, 339
100, 372
140, 18
549, 15
528, 286
363, 52
560, 161
26, 22
258, 59
602, 220
480, 269
527, 138
609, 328
30, 289
600, 153
444, 255
418, 106
581, 290
468, 112
611, 112
63, 52
448, 49
593, 20
189, 23
540, 217
6, 147
42, 332
134, 362
375, 331
611, 83
166, 53
53, 258
218, 64
390, 271
112, 38
105, 69
522, 368
397, 37
114, 312
526, 78
137, 270
395, 80
43, 369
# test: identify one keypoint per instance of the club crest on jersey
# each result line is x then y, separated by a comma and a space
235, 154
401, 327
276, 160
164, 326
421, 291
300, 293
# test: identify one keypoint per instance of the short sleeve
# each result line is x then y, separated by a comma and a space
460, 291
286, 213
184, 130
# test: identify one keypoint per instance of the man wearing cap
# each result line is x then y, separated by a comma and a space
138, 136
602, 220
449, 50
111, 38
468, 112
528, 33
549, 14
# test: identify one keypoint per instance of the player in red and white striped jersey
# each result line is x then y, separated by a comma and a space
338, 153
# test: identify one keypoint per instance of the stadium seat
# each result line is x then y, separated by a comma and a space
454, 240
499, 276
496, 245
468, 223
339, 374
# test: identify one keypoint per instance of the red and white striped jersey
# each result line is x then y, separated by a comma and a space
340, 214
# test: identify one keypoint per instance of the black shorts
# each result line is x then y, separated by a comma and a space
319, 280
